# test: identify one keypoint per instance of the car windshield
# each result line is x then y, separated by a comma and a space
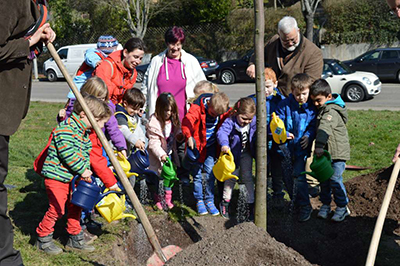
337, 68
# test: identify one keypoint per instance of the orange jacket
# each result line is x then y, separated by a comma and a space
116, 76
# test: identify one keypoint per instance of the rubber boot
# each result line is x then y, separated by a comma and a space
168, 199
47, 245
78, 242
157, 201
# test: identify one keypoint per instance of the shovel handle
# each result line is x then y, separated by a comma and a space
373, 247
118, 168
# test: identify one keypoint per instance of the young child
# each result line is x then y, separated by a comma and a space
237, 134
332, 135
162, 130
130, 123
68, 155
199, 127
298, 113
203, 86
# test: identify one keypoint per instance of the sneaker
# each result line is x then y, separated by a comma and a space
340, 214
47, 245
324, 211
223, 207
211, 208
305, 213
77, 242
201, 208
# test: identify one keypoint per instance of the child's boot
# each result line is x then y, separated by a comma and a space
47, 245
157, 201
224, 209
168, 199
78, 242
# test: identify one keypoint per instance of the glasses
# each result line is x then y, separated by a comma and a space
394, 11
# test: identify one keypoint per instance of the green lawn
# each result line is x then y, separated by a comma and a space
373, 137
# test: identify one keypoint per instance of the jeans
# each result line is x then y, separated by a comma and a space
299, 165
275, 168
335, 186
209, 176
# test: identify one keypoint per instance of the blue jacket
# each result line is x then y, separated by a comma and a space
227, 135
300, 121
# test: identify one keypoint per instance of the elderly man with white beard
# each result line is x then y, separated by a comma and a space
289, 53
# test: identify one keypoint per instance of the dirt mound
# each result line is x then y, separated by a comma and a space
243, 244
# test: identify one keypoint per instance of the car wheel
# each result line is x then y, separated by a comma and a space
140, 76
227, 77
51, 75
354, 93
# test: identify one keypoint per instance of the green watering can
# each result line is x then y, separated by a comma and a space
321, 167
168, 173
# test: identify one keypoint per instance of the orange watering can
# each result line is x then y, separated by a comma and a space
112, 206
278, 129
224, 167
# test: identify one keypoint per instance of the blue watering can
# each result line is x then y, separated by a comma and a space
190, 158
139, 161
85, 194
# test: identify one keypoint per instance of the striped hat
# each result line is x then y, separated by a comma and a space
107, 44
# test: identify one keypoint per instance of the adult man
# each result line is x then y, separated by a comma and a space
18, 41
289, 53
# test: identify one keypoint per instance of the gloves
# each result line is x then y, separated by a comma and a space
304, 142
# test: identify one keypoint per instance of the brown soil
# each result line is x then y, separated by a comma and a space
215, 241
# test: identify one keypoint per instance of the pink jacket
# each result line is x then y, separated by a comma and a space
157, 146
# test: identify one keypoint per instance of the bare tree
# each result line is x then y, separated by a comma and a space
308, 8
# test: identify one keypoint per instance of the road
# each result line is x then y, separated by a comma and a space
388, 99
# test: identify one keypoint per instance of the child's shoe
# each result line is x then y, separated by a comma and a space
78, 242
324, 211
88, 237
47, 245
211, 208
340, 214
305, 213
168, 199
157, 201
201, 208
224, 207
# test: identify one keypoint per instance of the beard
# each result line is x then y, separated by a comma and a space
294, 46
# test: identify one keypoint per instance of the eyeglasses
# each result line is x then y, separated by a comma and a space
394, 11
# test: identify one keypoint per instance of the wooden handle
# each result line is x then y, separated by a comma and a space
373, 247
124, 180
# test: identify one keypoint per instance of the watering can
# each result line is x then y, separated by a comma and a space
190, 158
278, 129
85, 194
126, 166
139, 162
112, 206
321, 167
224, 167
168, 173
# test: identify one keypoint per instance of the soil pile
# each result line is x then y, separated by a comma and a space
243, 244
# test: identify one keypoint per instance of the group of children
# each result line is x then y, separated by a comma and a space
310, 112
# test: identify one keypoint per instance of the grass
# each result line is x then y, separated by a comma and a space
373, 137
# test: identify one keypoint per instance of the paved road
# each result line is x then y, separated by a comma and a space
387, 100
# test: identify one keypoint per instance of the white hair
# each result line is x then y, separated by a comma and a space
287, 24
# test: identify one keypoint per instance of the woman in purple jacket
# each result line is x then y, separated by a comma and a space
237, 134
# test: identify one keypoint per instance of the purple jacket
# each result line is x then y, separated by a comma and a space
110, 128
227, 135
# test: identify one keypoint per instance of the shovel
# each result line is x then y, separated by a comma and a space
161, 254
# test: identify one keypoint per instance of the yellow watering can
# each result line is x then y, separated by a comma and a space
278, 129
125, 164
224, 167
112, 206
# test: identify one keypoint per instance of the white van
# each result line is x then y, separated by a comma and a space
72, 56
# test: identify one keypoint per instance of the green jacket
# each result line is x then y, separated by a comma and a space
331, 129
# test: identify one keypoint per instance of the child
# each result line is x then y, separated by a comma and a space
273, 98
162, 131
237, 134
298, 114
332, 135
199, 127
68, 155
128, 120
203, 86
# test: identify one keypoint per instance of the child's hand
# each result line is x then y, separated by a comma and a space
164, 158
304, 142
114, 187
397, 154
319, 152
86, 175
291, 136
62, 113
225, 149
140, 145
124, 153
191, 142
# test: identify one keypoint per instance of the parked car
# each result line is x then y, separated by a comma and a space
384, 62
231, 71
207, 65
354, 86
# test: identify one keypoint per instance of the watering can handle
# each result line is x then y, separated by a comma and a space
328, 155
109, 192
73, 187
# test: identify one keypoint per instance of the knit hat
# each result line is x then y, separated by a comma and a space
107, 44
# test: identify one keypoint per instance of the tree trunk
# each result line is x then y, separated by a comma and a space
261, 157
310, 27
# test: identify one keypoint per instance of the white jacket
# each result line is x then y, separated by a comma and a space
193, 73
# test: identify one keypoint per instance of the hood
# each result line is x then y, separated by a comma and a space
338, 104
117, 58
